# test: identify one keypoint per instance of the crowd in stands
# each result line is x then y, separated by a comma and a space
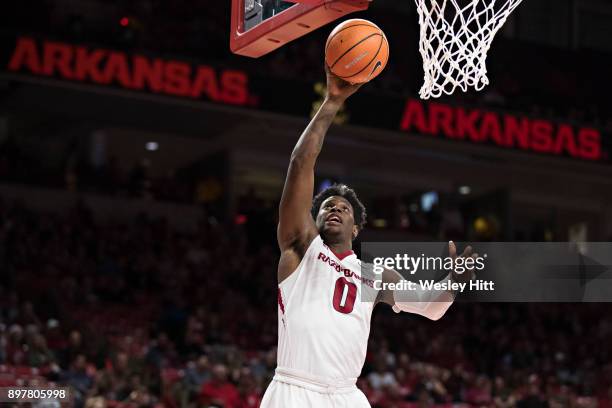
136, 313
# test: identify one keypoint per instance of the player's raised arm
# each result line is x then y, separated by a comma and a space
296, 228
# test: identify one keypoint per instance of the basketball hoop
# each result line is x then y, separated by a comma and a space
454, 42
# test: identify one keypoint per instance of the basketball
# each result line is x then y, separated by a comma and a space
357, 51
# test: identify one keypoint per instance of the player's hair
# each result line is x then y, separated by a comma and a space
344, 191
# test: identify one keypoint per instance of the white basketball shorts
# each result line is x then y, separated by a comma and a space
293, 389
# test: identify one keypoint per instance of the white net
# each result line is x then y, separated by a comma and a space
455, 38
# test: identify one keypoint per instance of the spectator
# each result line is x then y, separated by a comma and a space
79, 379
38, 353
381, 376
533, 397
250, 394
15, 350
197, 374
219, 390
72, 349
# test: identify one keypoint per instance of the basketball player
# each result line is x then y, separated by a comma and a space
323, 327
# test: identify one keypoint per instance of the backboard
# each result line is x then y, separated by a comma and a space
261, 26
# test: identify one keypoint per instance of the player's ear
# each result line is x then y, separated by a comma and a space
355, 231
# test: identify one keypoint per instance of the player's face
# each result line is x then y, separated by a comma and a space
336, 217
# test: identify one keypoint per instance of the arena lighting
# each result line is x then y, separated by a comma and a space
240, 219
327, 183
464, 190
379, 223
428, 200
124, 22
152, 146
481, 225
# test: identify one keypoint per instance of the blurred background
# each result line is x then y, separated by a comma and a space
141, 164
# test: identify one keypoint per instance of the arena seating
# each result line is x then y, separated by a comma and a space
136, 314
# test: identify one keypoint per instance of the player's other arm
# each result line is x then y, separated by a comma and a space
296, 228
432, 304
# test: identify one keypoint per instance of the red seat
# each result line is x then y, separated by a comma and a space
25, 371
171, 375
7, 379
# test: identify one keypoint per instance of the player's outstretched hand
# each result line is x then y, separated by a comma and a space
467, 253
337, 88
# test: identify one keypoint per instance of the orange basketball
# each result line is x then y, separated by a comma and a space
357, 51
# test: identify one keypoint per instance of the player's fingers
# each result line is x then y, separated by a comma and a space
472, 274
467, 251
357, 86
474, 256
452, 249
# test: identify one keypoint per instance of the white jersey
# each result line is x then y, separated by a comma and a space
323, 324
